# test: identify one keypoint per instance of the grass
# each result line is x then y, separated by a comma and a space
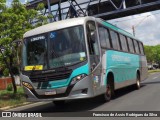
7, 98
153, 71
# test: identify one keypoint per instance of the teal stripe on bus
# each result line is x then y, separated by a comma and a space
123, 65
65, 82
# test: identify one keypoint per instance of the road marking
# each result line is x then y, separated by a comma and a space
155, 77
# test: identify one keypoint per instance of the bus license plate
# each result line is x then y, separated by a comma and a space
53, 92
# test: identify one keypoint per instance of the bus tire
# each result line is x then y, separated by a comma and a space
59, 103
109, 89
107, 95
138, 84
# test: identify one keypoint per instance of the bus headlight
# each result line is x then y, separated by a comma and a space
77, 78
28, 85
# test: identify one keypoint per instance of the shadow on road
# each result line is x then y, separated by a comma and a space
70, 106
79, 105
126, 90
151, 82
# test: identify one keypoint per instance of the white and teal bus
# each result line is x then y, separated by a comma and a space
80, 58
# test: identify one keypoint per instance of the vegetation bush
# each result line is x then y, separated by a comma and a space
9, 87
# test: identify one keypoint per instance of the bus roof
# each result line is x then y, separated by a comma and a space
73, 22
57, 25
117, 29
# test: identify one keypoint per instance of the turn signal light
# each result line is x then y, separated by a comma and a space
28, 85
78, 78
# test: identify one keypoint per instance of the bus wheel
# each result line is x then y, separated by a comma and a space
138, 84
59, 103
107, 95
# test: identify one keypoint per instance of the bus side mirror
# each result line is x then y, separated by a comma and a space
17, 42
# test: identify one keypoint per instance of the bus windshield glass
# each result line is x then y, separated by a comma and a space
35, 51
67, 47
55, 49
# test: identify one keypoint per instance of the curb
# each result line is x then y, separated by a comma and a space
9, 107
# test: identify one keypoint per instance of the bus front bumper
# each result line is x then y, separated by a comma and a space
82, 89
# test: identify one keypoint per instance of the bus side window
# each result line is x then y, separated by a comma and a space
104, 37
136, 46
93, 44
114, 39
130, 43
141, 48
123, 42
90, 45
92, 38
106, 32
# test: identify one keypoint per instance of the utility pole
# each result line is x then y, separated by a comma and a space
49, 10
133, 29
59, 9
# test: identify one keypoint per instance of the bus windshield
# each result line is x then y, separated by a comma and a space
67, 46
56, 49
35, 51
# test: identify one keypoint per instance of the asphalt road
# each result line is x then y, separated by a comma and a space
147, 98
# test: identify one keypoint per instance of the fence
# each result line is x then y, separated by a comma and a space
4, 82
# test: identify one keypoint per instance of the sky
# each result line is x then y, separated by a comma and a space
147, 27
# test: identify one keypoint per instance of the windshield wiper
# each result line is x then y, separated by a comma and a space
61, 61
77, 63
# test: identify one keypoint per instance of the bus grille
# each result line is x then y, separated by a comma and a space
50, 77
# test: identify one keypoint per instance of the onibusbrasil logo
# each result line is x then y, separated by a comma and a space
18, 114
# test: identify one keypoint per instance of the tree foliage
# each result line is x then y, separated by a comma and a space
152, 53
14, 22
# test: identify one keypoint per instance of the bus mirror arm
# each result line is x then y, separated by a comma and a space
17, 42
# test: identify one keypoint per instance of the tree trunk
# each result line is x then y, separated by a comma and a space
12, 75
13, 83
9, 66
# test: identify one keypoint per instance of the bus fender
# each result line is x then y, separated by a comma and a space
138, 72
107, 73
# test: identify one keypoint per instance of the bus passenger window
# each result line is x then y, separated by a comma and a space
141, 48
104, 37
107, 37
130, 43
92, 38
136, 46
123, 42
114, 39
93, 44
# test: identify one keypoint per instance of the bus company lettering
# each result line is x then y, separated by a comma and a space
37, 38
120, 58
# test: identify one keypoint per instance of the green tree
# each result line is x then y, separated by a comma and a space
152, 54
156, 53
149, 53
14, 22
